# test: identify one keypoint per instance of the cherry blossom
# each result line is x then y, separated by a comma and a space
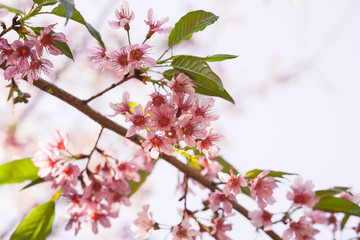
302, 193
46, 40
155, 26
233, 182
98, 56
184, 231
123, 107
138, 56
301, 229
207, 145
138, 118
218, 197
144, 224
38, 66
219, 227
124, 16
181, 84
262, 188
156, 144
261, 218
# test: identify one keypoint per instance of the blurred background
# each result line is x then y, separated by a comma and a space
295, 83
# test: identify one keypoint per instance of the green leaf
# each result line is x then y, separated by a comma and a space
344, 221
59, 11
218, 57
254, 173
45, 2
168, 74
190, 23
331, 191
209, 91
226, 165
37, 225
335, 205
34, 182
62, 46
18, 171
134, 186
69, 7
206, 81
10, 9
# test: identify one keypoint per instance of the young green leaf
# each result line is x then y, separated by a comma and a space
18, 171
62, 46
218, 57
168, 74
190, 23
331, 191
344, 221
59, 11
213, 91
206, 81
33, 183
254, 173
45, 2
334, 205
69, 7
10, 9
37, 225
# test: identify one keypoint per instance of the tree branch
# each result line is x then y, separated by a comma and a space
111, 125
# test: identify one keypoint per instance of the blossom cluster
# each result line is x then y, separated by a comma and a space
25, 58
94, 195
171, 119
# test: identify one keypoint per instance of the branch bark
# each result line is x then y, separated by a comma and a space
111, 125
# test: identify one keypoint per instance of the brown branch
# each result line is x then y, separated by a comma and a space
111, 125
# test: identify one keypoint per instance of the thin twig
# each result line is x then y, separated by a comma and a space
94, 147
107, 89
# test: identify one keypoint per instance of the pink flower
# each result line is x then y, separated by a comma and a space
138, 56
190, 130
181, 84
162, 118
144, 224
124, 16
301, 229
219, 228
316, 217
210, 168
158, 99
207, 145
184, 231
5, 50
203, 108
117, 192
262, 188
98, 56
302, 193
157, 144
100, 215
60, 143
232, 183
218, 197
47, 165
119, 60
66, 176
155, 26
38, 66
261, 218
138, 119
21, 54
128, 171
46, 40
123, 107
